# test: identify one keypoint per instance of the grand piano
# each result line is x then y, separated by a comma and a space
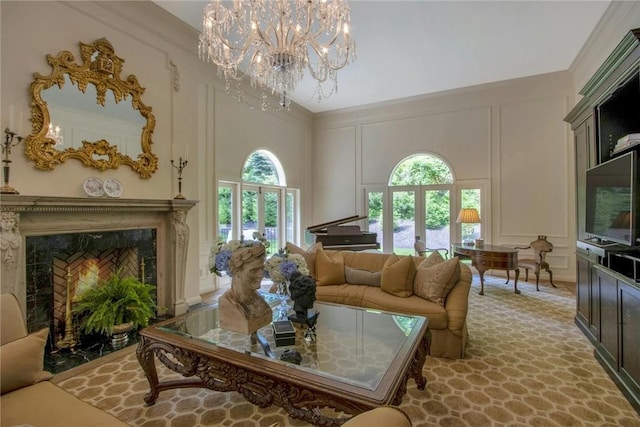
335, 235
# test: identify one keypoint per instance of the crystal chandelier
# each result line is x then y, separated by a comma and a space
274, 41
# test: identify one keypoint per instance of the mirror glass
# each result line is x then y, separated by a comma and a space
77, 117
89, 113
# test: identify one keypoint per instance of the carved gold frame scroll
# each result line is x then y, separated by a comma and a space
100, 67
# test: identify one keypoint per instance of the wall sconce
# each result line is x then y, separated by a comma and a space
468, 216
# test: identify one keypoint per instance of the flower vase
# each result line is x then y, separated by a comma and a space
120, 335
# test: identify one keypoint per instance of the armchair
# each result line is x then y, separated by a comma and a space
541, 247
28, 399
422, 249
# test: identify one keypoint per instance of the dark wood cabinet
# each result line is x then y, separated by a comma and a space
594, 303
618, 347
608, 287
608, 283
583, 284
584, 159
630, 336
619, 114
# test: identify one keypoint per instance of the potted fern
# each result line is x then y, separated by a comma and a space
115, 306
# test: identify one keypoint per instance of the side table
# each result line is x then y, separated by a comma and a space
487, 257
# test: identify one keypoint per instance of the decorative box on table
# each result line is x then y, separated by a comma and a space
284, 333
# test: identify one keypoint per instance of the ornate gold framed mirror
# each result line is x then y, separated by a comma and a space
87, 112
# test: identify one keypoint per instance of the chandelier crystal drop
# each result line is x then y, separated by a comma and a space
274, 41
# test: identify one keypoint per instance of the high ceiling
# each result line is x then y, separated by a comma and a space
410, 48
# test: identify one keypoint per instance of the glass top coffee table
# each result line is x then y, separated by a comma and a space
360, 359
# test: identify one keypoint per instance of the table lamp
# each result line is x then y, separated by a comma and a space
468, 216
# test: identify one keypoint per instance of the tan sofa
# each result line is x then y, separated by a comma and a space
28, 398
340, 280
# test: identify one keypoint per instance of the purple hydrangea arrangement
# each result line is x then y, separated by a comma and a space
221, 253
281, 266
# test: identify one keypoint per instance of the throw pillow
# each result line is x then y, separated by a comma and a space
433, 259
397, 276
434, 283
22, 360
329, 269
309, 255
355, 276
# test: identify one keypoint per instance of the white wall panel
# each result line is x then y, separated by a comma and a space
503, 132
462, 138
533, 156
334, 190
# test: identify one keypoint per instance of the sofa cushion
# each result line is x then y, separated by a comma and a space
21, 361
433, 259
12, 326
329, 268
434, 282
355, 276
370, 261
397, 276
309, 255
343, 294
377, 299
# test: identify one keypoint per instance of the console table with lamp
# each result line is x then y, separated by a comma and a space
483, 257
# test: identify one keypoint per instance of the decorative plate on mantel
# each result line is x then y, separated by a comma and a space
93, 187
112, 187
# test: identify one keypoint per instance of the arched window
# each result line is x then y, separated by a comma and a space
421, 200
265, 204
262, 167
421, 169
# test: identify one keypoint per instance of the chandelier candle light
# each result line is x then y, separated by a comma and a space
273, 41
55, 133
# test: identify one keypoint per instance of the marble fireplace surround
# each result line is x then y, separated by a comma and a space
38, 216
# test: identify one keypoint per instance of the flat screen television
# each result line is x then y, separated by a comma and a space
612, 200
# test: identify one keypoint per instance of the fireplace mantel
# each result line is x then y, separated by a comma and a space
23, 216
17, 203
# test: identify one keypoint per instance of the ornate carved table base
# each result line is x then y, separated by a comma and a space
260, 387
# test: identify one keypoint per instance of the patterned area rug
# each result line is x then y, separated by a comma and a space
527, 364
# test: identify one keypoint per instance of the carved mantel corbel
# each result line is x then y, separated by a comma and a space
180, 231
10, 250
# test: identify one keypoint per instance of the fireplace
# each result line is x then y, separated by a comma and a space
75, 261
46, 239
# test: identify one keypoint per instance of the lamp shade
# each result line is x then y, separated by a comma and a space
468, 216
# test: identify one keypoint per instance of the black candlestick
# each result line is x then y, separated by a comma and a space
9, 137
181, 165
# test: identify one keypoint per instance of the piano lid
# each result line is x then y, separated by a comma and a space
322, 227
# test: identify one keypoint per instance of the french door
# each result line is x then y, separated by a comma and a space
262, 208
400, 213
